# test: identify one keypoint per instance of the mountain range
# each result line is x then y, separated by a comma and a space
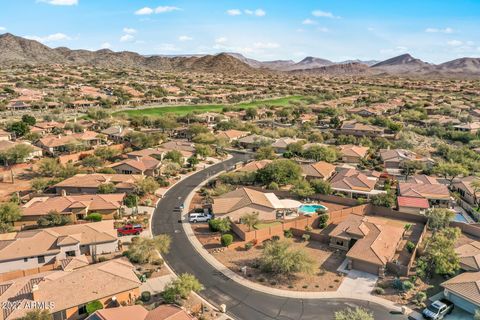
16, 50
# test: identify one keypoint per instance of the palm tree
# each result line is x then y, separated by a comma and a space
250, 219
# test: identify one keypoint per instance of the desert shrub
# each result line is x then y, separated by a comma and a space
322, 220
379, 290
248, 246
219, 224
306, 237
94, 217
410, 246
397, 284
226, 239
273, 186
275, 238
145, 296
421, 297
94, 306
288, 233
407, 285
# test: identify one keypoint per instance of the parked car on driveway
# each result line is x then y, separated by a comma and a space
199, 217
129, 230
438, 309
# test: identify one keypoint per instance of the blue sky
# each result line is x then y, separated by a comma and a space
432, 30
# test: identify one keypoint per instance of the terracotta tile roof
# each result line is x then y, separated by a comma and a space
358, 126
243, 197
466, 285
353, 151
142, 164
231, 134
254, 165
63, 204
352, 179
180, 145
377, 238
284, 142
321, 169
96, 179
57, 141
412, 202
428, 191
422, 179
401, 155
466, 184
469, 255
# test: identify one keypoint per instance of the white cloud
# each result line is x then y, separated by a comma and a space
144, 11
221, 40
163, 9
454, 43
185, 38
234, 12
50, 38
106, 45
129, 30
3, 28
247, 11
437, 30
260, 13
126, 38
309, 22
323, 14
61, 2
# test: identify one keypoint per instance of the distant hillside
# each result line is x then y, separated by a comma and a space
18, 50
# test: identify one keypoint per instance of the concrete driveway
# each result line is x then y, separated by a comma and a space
459, 314
358, 282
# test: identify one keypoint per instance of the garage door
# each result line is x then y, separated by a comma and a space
365, 266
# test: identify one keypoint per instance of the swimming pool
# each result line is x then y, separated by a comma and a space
310, 208
460, 218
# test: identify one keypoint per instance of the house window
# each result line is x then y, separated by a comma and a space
25, 259
70, 253
41, 259
339, 243
82, 309
127, 171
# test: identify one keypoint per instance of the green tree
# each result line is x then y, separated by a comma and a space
105, 188
94, 217
439, 254
303, 189
20, 128
9, 213
321, 186
203, 150
193, 161
383, 200
266, 152
48, 167
281, 171
476, 316
354, 314
144, 250
131, 200
146, 186
321, 153
250, 219
92, 162
93, 306
40, 184
410, 167
222, 225
439, 218
37, 315
450, 170
106, 153
16, 154
175, 156
181, 288
279, 258
53, 219
28, 119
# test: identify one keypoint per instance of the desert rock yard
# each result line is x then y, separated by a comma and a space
324, 278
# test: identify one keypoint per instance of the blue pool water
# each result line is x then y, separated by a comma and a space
460, 218
310, 208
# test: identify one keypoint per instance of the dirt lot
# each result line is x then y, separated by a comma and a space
22, 174
325, 277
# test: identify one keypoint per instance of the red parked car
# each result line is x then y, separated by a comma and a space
129, 230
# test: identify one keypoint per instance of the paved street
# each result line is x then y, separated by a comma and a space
242, 303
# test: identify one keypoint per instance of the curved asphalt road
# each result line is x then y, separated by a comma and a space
242, 303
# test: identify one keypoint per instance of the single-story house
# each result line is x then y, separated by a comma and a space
352, 154
468, 127
437, 195
66, 293
469, 255
393, 159
117, 133
354, 128
464, 291
318, 170
31, 249
463, 186
57, 144
355, 183
76, 207
370, 242
231, 135
254, 166
412, 204
6, 145
88, 183
253, 141
146, 165
280, 145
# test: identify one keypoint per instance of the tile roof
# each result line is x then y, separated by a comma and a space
57, 141
413, 202
466, 285
353, 151
429, 191
321, 169
254, 165
243, 197
469, 255
96, 179
142, 164
352, 179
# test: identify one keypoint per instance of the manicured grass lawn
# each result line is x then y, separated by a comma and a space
182, 110
259, 226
